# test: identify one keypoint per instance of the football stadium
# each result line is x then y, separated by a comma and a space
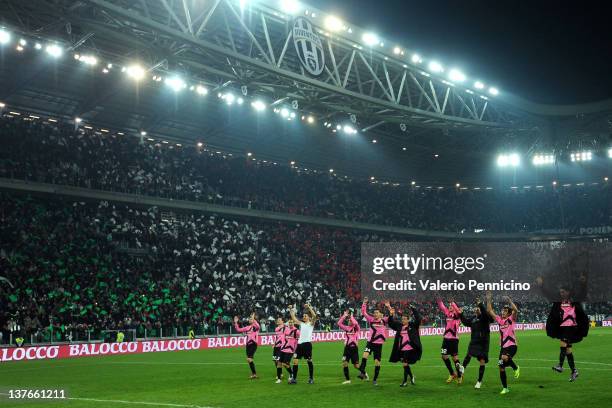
254, 203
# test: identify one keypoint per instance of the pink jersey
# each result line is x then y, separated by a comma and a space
280, 335
452, 320
292, 335
405, 339
252, 331
506, 331
351, 331
377, 334
569, 315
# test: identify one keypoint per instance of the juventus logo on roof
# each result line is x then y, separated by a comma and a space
308, 46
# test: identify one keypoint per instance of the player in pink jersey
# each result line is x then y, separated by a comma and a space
252, 333
291, 337
507, 339
351, 329
567, 321
276, 350
377, 334
450, 340
407, 345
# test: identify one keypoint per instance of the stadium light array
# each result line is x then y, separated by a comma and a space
456, 75
333, 23
541, 159
478, 85
370, 39
416, 59
201, 90
54, 50
349, 130
610, 153
136, 72
586, 155
493, 91
435, 66
176, 84
5, 37
38, 46
258, 105
508, 160
290, 6
86, 59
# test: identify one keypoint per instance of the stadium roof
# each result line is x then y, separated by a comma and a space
430, 126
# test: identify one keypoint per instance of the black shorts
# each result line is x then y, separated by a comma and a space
351, 353
409, 357
276, 353
375, 349
509, 351
251, 348
303, 350
450, 347
285, 358
479, 351
567, 333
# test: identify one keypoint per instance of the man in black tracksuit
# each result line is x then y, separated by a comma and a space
479, 341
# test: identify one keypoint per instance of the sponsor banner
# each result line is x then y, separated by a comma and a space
606, 323
156, 346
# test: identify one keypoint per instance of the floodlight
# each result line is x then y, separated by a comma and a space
370, 39
136, 72
258, 105
201, 90
229, 98
416, 59
397, 50
493, 91
78, 120
5, 37
176, 84
349, 130
456, 75
333, 23
38, 46
87, 59
435, 66
290, 6
311, 120
610, 153
23, 42
478, 85
509, 160
54, 50
284, 112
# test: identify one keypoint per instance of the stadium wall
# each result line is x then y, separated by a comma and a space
61, 351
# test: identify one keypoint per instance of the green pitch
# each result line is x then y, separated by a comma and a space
218, 378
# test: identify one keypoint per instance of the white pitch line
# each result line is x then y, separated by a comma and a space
155, 404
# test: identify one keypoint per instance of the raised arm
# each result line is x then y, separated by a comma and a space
364, 310
455, 308
490, 310
237, 326
293, 316
313, 315
443, 307
513, 306
341, 322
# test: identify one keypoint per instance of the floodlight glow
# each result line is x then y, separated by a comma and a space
311, 120
435, 66
543, 159
5, 37
586, 155
229, 98
284, 112
416, 59
370, 39
456, 75
349, 130
493, 91
290, 6
87, 59
78, 120
509, 160
333, 23
38, 46
23, 42
2, 105
478, 85
136, 72
610, 153
258, 105
201, 90
176, 83
397, 50
331, 170
54, 50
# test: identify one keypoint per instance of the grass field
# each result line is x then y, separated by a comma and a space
218, 378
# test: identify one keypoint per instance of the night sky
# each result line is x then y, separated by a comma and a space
557, 52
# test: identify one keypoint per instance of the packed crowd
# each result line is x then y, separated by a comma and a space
59, 153
78, 267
